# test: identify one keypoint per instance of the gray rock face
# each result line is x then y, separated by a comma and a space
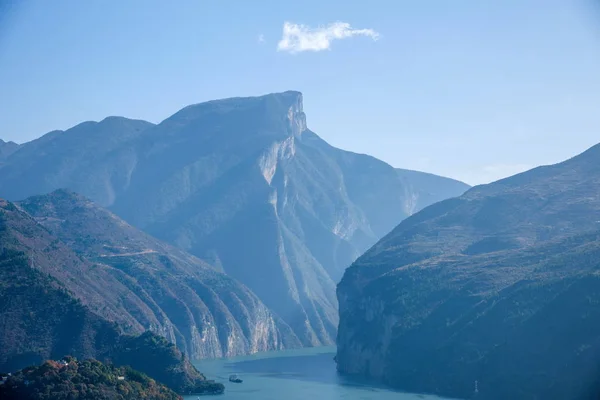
498, 286
244, 184
145, 284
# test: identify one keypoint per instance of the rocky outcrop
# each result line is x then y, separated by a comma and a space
244, 184
498, 286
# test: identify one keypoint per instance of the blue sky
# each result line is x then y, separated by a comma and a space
476, 90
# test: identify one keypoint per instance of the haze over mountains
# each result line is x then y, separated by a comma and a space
240, 183
499, 286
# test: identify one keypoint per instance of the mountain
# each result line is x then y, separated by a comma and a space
241, 183
6, 149
44, 317
499, 286
126, 277
91, 157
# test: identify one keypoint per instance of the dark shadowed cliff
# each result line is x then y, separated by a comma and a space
499, 286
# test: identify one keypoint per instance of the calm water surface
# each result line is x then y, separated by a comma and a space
306, 374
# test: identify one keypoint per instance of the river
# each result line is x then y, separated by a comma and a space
305, 374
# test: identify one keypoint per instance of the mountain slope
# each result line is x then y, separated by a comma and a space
498, 286
42, 317
141, 283
37, 312
244, 184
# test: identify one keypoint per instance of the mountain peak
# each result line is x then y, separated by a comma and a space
115, 119
289, 97
63, 193
286, 99
7, 148
274, 115
9, 143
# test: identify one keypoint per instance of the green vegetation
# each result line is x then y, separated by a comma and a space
163, 361
82, 380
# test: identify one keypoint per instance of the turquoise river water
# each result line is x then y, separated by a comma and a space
305, 374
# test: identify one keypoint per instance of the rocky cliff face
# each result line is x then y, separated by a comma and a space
244, 184
498, 286
138, 282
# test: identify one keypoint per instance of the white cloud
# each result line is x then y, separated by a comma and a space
261, 38
298, 38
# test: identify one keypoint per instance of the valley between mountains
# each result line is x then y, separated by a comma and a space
231, 228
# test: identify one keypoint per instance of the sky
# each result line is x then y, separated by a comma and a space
470, 89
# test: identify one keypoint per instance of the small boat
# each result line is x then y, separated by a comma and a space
235, 379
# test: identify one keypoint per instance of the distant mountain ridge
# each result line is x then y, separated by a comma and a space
91, 156
244, 184
498, 286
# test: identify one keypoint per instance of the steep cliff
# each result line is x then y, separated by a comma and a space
256, 192
241, 183
499, 286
